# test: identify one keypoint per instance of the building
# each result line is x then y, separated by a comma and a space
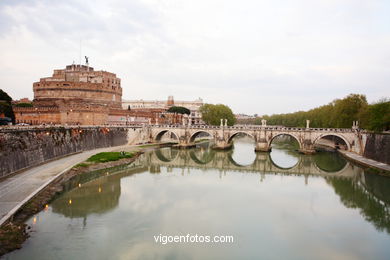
79, 95
244, 117
193, 106
75, 95
22, 101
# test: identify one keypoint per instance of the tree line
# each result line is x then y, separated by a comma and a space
339, 113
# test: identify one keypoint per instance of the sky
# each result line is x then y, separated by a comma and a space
255, 56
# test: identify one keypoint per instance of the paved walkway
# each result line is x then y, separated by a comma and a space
16, 190
365, 161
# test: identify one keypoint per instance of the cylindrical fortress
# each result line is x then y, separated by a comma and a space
80, 82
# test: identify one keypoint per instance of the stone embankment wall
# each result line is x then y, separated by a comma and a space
23, 148
378, 147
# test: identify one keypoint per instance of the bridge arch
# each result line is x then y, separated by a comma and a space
197, 133
238, 133
161, 156
209, 156
158, 136
324, 171
276, 165
235, 163
336, 135
289, 134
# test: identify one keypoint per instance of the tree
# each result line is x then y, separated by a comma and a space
179, 110
348, 109
339, 113
212, 114
6, 106
378, 115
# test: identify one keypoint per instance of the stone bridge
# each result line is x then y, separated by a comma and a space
352, 139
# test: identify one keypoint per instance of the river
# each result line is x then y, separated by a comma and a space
278, 205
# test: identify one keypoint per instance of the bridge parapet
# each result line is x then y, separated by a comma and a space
251, 127
48, 127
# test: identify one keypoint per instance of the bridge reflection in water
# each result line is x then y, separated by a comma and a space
205, 158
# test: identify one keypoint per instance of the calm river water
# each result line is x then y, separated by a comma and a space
281, 205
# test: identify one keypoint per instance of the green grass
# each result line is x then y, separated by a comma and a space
81, 165
109, 156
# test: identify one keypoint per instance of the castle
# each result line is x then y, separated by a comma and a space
75, 95
79, 95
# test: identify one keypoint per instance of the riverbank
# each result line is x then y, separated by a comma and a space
14, 232
384, 168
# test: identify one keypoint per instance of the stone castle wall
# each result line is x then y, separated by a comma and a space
80, 82
29, 147
95, 92
76, 95
378, 147
71, 112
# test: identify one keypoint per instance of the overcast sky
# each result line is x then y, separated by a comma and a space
255, 56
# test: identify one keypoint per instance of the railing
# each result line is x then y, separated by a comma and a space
248, 128
205, 127
48, 127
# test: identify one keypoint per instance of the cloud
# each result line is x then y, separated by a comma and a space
257, 56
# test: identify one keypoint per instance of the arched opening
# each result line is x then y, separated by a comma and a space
166, 136
239, 162
284, 149
331, 142
243, 149
325, 158
329, 162
201, 136
202, 156
166, 154
285, 141
285, 164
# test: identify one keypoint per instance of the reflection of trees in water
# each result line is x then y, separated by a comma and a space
329, 161
202, 155
378, 185
94, 192
354, 195
166, 154
98, 196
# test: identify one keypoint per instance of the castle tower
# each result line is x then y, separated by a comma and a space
170, 101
